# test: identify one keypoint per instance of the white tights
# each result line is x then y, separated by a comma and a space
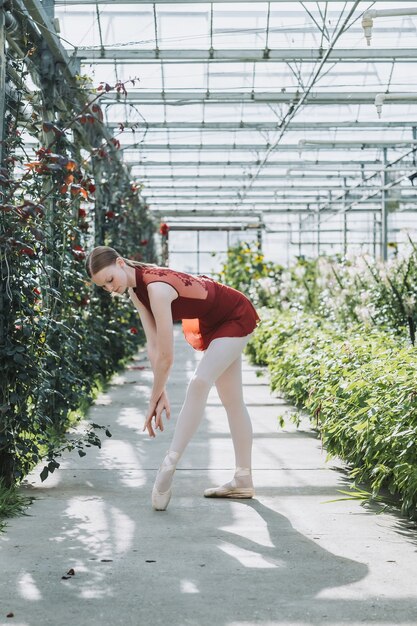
221, 364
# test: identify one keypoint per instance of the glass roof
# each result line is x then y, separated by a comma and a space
262, 107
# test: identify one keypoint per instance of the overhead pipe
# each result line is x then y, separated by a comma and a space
369, 16
359, 143
380, 98
10, 23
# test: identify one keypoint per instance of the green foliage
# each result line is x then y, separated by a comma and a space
360, 392
355, 290
336, 339
344, 290
60, 336
246, 270
12, 503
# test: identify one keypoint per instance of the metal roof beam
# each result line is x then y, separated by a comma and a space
202, 10
265, 178
225, 226
257, 126
226, 185
333, 164
313, 195
307, 55
288, 202
158, 2
189, 96
68, 65
259, 147
232, 211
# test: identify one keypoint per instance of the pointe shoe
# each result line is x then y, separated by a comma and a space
231, 490
160, 499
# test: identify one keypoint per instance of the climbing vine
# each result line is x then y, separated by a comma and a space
60, 337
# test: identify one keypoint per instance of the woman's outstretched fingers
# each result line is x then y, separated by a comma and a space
158, 416
148, 423
167, 408
162, 405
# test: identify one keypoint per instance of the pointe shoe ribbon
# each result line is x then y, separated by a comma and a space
160, 499
231, 490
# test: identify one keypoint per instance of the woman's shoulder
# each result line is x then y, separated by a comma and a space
186, 285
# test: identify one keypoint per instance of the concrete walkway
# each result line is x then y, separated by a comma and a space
286, 557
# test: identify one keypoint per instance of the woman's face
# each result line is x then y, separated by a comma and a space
112, 278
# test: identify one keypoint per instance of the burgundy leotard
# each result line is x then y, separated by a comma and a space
207, 308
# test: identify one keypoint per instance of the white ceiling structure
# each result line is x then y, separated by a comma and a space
247, 112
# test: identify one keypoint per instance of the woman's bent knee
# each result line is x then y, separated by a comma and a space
199, 384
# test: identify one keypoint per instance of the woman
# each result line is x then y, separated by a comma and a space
216, 319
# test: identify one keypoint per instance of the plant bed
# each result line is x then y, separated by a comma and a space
359, 387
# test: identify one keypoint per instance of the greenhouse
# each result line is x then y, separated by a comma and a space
208, 253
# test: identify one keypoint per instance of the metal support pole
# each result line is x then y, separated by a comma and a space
300, 225
384, 213
290, 236
318, 230
198, 252
2, 77
345, 219
49, 7
374, 232
259, 236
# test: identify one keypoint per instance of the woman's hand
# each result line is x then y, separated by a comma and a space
155, 411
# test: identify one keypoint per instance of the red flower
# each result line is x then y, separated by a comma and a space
133, 330
97, 109
27, 251
163, 229
110, 214
104, 86
144, 242
82, 212
37, 291
77, 189
42, 152
79, 253
91, 188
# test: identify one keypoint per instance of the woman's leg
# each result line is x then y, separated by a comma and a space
229, 388
218, 357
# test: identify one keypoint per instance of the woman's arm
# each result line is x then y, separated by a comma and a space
148, 324
161, 295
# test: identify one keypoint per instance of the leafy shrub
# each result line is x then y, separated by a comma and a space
246, 270
345, 290
60, 337
360, 391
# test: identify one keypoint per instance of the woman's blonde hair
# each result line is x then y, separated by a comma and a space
103, 256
